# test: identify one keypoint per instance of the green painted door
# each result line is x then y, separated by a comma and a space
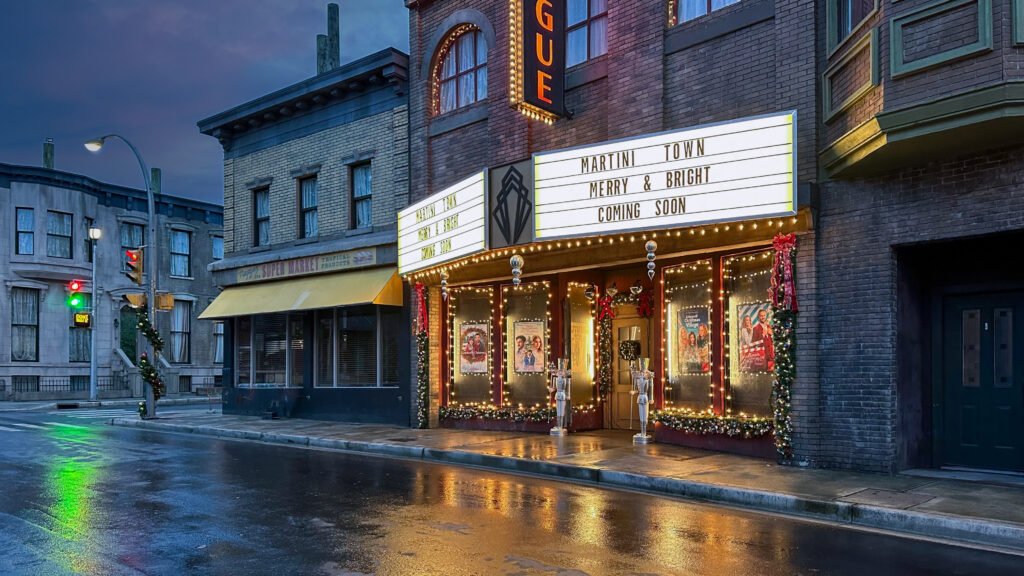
983, 381
129, 334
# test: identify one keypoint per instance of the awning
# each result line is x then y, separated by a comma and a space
372, 286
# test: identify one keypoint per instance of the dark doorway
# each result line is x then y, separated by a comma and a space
129, 336
983, 381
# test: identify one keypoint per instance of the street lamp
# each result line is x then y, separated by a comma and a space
95, 145
94, 236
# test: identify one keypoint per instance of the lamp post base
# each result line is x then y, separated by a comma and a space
641, 438
556, 431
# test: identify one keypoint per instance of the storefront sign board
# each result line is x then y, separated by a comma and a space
320, 263
721, 172
444, 226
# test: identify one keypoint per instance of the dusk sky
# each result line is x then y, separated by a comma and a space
149, 70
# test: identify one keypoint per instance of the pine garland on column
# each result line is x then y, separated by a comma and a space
422, 358
147, 369
784, 314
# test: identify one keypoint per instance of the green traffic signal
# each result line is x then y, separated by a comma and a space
75, 301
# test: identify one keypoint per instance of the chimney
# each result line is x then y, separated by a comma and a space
333, 37
321, 54
48, 154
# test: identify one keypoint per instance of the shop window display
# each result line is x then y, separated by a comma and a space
580, 332
689, 326
751, 349
526, 324
470, 336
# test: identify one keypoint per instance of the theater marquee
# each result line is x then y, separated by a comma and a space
718, 172
445, 226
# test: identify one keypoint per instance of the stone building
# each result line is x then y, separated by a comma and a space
48, 213
314, 174
908, 207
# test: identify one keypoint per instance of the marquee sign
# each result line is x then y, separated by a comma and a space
718, 172
447, 225
321, 263
537, 70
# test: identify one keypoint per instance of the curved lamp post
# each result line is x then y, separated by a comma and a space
94, 236
152, 254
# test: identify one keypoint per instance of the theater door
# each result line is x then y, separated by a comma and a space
623, 403
982, 420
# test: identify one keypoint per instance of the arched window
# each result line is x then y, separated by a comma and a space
460, 73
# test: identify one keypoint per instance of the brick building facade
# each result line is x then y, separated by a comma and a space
314, 174
907, 160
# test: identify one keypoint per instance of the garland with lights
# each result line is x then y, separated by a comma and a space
149, 374
605, 314
491, 412
151, 334
146, 369
422, 359
693, 422
784, 312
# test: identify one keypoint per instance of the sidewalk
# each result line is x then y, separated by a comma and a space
952, 510
108, 403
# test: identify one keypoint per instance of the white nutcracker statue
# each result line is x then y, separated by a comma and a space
561, 381
643, 380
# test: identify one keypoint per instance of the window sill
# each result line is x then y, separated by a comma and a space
586, 72
310, 240
459, 118
717, 24
356, 387
358, 231
173, 277
256, 249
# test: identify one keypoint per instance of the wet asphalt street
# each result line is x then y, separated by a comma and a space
80, 497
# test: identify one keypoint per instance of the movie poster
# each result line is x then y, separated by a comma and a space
694, 340
754, 337
474, 346
528, 347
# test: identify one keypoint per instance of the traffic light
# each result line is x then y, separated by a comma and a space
133, 265
75, 298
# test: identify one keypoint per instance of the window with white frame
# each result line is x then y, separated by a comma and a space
587, 32
24, 324
218, 247
79, 343
132, 235
58, 234
462, 70
218, 342
261, 217
308, 225
26, 227
362, 196
181, 332
181, 253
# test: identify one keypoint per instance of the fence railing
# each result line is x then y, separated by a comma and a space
67, 383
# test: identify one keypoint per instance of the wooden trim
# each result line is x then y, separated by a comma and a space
833, 44
898, 67
867, 42
1018, 22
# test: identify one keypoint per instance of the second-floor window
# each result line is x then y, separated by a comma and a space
463, 71
850, 13
131, 239
362, 196
218, 247
58, 234
261, 217
25, 226
308, 225
687, 10
587, 32
181, 253
181, 331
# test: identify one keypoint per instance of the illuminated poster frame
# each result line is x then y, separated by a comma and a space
722, 172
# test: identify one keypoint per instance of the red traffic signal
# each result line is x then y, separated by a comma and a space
74, 286
133, 265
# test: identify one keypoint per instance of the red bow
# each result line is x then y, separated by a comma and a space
783, 290
645, 304
605, 309
422, 315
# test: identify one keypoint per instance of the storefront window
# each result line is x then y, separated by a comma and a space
689, 326
296, 344
325, 348
526, 320
751, 350
243, 341
469, 313
270, 344
581, 343
391, 330
357, 346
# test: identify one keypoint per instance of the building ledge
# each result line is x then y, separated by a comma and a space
310, 249
942, 128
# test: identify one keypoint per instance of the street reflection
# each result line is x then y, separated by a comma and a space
69, 498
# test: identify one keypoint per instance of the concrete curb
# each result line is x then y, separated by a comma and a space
958, 529
112, 403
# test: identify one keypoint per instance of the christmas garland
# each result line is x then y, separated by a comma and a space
605, 314
784, 312
422, 358
151, 334
146, 369
693, 422
490, 412
151, 376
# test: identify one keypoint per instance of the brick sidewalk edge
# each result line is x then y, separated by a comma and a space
956, 529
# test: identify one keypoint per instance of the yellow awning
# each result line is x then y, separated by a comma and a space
372, 286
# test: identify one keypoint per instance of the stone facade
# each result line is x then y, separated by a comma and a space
108, 207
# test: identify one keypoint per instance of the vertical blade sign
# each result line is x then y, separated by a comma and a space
540, 35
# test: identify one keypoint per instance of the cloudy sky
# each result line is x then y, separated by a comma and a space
150, 69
